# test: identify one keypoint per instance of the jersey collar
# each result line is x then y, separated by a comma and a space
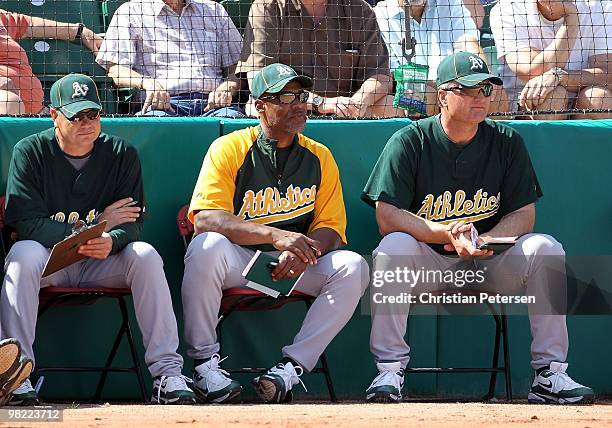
268, 145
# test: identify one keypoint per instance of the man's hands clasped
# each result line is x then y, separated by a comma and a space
460, 236
157, 96
297, 252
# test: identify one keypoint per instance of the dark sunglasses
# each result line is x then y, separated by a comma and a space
287, 97
87, 114
487, 90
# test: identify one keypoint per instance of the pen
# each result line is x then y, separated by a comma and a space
474, 236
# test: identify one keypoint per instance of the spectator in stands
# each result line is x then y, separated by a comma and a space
476, 9
183, 53
555, 54
20, 90
336, 42
441, 28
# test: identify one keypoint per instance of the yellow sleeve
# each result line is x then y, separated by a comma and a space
216, 185
329, 204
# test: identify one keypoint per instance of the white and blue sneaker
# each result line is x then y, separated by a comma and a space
212, 384
172, 390
553, 386
275, 385
387, 386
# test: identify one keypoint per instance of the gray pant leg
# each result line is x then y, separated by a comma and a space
19, 296
338, 281
212, 264
389, 322
139, 267
537, 264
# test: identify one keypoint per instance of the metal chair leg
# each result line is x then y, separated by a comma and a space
507, 370
495, 362
111, 357
328, 378
130, 339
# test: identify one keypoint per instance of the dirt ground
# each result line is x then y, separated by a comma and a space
353, 415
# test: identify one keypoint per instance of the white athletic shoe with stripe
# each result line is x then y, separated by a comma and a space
212, 384
387, 386
554, 386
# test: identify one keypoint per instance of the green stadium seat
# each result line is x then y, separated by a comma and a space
86, 11
57, 57
108, 10
491, 58
238, 10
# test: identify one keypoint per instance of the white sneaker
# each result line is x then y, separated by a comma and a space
275, 386
554, 386
212, 384
25, 395
387, 386
172, 390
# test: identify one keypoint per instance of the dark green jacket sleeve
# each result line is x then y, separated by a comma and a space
26, 210
124, 234
130, 184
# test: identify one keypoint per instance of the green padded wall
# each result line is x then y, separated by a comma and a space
570, 159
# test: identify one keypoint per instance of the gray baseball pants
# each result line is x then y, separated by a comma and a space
138, 267
535, 265
213, 263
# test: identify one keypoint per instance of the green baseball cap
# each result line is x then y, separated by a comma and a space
74, 93
466, 68
274, 77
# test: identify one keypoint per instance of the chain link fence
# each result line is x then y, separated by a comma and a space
197, 57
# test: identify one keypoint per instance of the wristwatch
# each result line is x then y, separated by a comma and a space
559, 73
316, 102
79, 33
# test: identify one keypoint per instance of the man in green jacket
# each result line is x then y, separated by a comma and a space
66, 177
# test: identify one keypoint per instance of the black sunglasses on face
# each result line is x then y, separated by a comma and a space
487, 90
288, 97
86, 114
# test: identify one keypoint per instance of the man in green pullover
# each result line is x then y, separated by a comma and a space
73, 175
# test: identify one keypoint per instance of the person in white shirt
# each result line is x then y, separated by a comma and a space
183, 53
555, 54
441, 28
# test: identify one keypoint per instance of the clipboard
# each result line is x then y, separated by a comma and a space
65, 253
